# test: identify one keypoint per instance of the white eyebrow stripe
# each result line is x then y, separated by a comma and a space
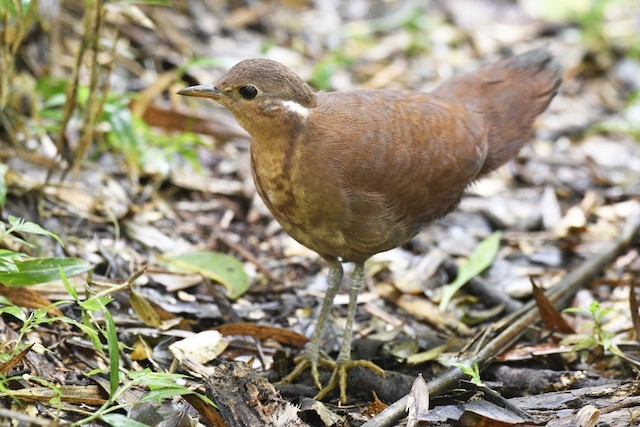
296, 108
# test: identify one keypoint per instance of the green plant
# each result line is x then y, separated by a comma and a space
95, 113
16, 17
481, 258
591, 17
473, 371
628, 124
417, 24
160, 385
18, 269
138, 145
326, 68
599, 337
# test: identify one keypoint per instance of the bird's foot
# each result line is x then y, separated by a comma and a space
309, 360
339, 376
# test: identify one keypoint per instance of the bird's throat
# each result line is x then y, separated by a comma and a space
274, 165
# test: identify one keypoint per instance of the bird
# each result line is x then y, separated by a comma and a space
349, 174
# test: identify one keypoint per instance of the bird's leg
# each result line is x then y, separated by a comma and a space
311, 358
344, 363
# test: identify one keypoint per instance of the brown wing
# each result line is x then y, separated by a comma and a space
391, 172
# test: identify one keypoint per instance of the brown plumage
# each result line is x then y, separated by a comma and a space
351, 174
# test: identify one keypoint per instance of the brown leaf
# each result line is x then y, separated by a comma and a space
210, 415
262, 332
144, 309
141, 350
9, 364
182, 120
25, 297
88, 395
376, 406
551, 318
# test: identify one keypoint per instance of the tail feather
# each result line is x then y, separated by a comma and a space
508, 95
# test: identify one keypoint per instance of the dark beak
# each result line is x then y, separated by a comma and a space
202, 91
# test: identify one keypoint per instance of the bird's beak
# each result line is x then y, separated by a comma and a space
202, 91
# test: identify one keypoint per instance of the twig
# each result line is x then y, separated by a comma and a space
522, 319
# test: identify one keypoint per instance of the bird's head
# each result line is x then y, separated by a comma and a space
257, 91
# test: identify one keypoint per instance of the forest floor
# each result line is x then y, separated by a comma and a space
183, 290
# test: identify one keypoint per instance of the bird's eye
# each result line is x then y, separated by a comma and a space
248, 92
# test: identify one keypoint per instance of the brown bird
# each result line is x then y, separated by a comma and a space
351, 174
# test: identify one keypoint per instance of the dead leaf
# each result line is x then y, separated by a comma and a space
141, 350
201, 348
263, 332
376, 406
25, 297
11, 363
551, 318
418, 402
144, 309
205, 410
87, 395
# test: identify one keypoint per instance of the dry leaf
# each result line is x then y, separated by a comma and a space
551, 318
262, 332
201, 348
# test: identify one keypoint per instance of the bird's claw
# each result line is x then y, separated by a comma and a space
339, 377
312, 362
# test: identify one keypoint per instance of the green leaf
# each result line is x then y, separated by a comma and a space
31, 227
204, 62
163, 393
155, 380
120, 420
3, 184
6, 253
222, 268
603, 313
42, 270
481, 258
577, 310
473, 371
95, 303
96, 371
71, 290
114, 351
16, 9
587, 343
9, 258
88, 329
14, 311
559, 10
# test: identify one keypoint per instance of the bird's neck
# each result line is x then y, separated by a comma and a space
273, 152
275, 157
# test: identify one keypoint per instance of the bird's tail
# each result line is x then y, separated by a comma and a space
509, 95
